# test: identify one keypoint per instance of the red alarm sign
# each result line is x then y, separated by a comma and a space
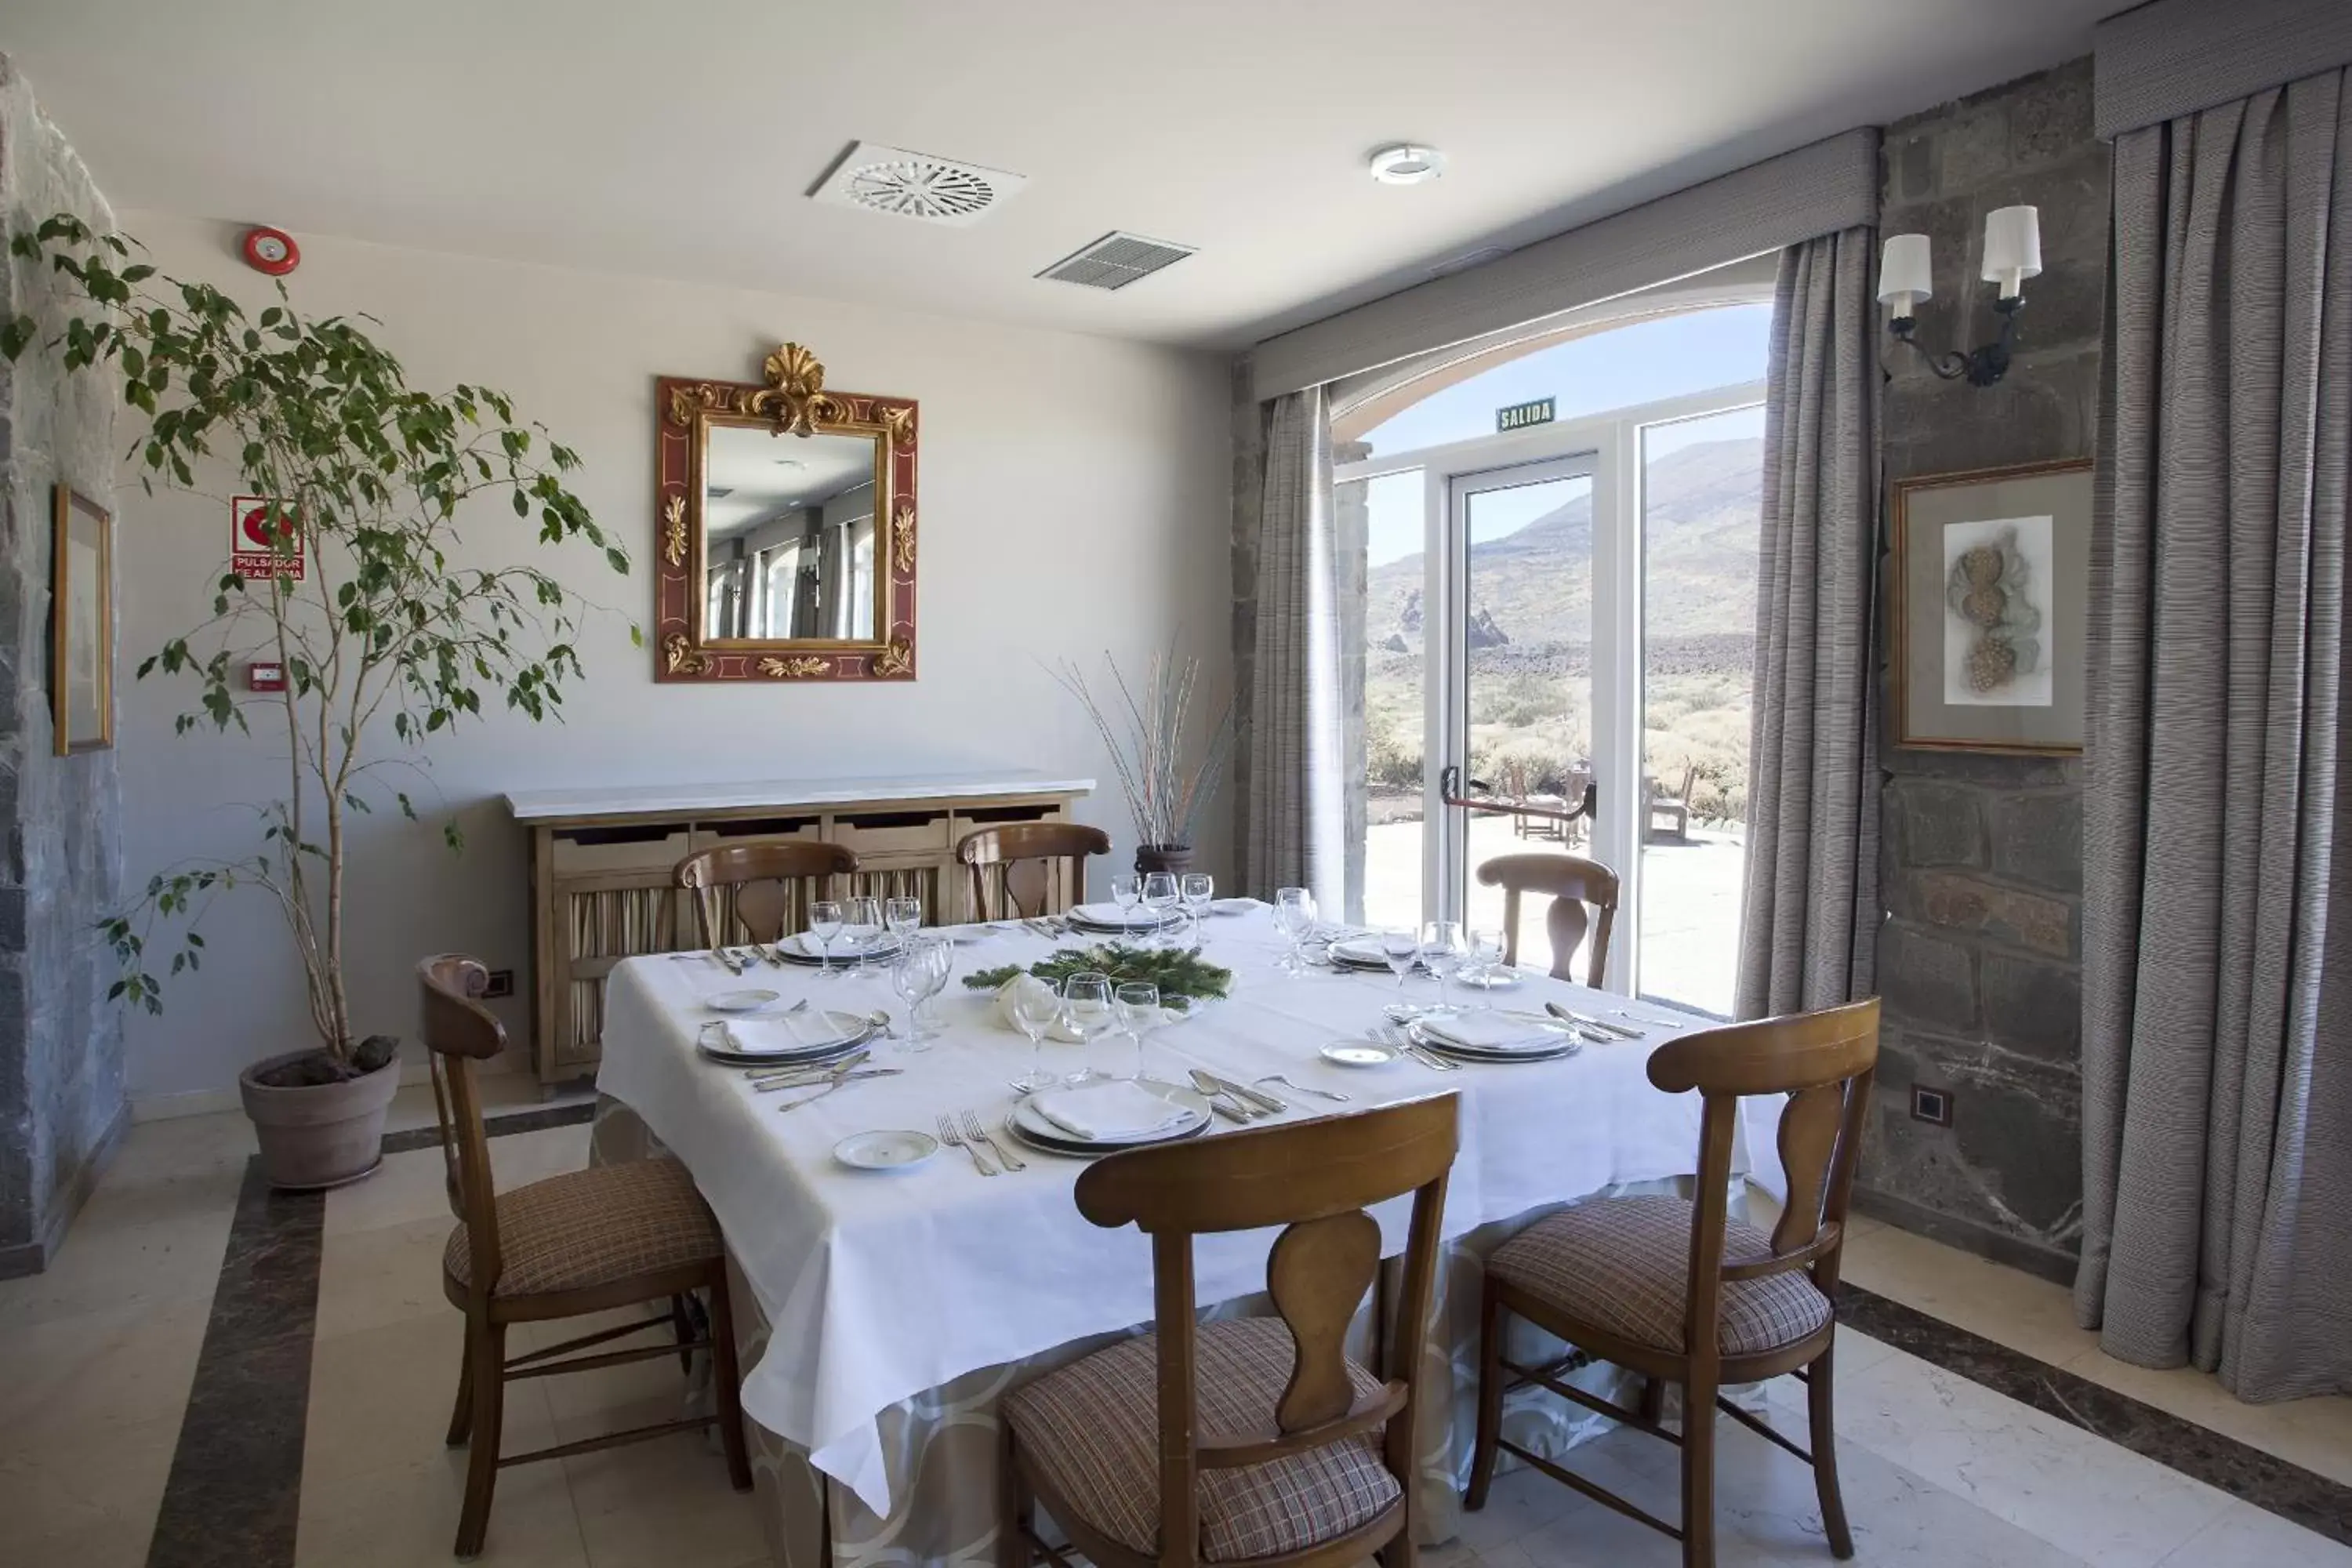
270, 251
257, 526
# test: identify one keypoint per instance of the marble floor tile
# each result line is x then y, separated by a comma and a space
2315, 1434
406, 1517
2006, 1305
149, 1234
383, 1396
370, 1279
2242, 1536
2107, 1506
96, 1485
1520, 1502
99, 1369
661, 1503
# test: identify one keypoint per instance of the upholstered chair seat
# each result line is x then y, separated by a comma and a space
586, 1229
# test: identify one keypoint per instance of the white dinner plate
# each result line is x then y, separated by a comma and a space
1111, 917
800, 1038
1232, 906
1419, 1034
1360, 952
890, 1149
741, 1001
803, 948
1494, 980
1358, 1054
1027, 1120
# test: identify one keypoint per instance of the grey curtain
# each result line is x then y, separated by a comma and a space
1810, 914
1297, 799
2217, 1030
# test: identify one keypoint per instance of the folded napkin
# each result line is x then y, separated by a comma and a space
810, 1029
1114, 1110
1055, 1031
1485, 1031
1113, 915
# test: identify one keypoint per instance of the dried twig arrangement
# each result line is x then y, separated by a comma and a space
1144, 729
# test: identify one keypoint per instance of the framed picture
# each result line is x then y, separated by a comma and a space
81, 629
1991, 574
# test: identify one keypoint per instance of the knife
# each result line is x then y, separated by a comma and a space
830, 1081
1254, 1096
827, 1069
1581, 1022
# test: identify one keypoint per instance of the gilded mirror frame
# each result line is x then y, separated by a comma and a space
791, 401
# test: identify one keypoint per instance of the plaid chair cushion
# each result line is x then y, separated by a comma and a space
593, 1228
1623, 1265
1090, 1431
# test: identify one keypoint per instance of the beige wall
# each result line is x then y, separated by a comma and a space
1074, 500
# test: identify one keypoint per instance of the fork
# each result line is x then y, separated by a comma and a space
1392, 1036
1335, 1098
949, 1136
973, 1130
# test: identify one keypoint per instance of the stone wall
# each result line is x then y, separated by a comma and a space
1979, 959
61, 1067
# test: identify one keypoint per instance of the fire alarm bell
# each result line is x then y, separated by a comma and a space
271, 251
265, 677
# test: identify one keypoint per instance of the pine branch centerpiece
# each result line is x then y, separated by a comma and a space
1180, 973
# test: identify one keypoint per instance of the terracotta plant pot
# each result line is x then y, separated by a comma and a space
1174, 858
319, 1135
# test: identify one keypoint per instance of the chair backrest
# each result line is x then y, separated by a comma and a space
1573, 882
459, 1032
1823, 1062
1314, 1179
1027, 869
765, 884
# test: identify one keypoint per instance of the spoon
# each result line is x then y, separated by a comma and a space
1303, 1088
881, 1021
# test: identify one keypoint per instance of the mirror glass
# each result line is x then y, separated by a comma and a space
789, 542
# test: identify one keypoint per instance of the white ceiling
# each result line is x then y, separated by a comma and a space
677, 138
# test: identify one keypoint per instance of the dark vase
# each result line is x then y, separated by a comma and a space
1174, 859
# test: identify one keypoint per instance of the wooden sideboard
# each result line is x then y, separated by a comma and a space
603, 868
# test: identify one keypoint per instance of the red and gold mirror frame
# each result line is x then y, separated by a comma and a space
791, 401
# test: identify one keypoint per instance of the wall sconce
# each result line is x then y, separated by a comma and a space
2012, 252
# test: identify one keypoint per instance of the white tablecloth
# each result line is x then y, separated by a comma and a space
881, 1286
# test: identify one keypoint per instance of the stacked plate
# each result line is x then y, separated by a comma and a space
1112, 920
1490, 1037
1105, 1117
1359, 953
788, 1039
803, 948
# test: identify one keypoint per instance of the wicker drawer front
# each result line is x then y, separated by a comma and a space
908, 833
610, 850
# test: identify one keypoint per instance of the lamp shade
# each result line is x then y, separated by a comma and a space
2012, 250
1903, 272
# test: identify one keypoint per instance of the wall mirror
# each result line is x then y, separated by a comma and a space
784, 545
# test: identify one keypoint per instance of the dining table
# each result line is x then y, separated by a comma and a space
889, 1309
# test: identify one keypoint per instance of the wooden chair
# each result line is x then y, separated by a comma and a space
769, 881
1678, 1291
1573, 882
1028, 868
586, 1241
1675, 808
1255, 1440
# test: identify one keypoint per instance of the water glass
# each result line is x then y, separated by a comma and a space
1126, 892
1482, 965
920, 974
1402, 951
904, 917
1138, 1004
1160, 897
861, 923
1294, 917
1035, 1010
1089, 1011
1441, 950
824, 925
1200, 891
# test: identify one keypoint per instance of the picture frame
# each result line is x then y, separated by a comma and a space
1991, 577
81, 622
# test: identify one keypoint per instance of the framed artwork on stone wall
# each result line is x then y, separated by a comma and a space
81, 631
1991, 587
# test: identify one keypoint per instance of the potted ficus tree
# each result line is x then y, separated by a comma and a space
386, 636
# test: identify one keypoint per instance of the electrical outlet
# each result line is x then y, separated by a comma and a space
501, 983
1933, 1106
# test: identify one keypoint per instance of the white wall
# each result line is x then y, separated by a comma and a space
1073, 495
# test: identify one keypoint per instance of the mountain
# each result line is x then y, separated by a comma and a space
1532, 588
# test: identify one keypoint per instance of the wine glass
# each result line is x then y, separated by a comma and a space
1482, 965
904, 917
1160, 897
1294, 917
1441, 950
1036, 1007
1199, 891
1402, 951
920, 973
1126, 892
824, 924
1089, 1011
1137, 1004
861, 922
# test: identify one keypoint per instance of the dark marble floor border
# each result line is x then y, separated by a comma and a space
234, 1494
2263, 1479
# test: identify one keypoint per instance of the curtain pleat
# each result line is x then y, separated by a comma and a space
1296, 800
1810, 907
2217, 1051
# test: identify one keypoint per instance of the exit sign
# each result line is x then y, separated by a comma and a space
1519, 415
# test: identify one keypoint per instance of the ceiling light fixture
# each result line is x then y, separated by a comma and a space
1405, 164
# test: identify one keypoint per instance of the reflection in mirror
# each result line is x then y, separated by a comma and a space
788, 535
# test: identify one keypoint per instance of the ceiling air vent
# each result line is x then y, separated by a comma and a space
915, 185
1115, 260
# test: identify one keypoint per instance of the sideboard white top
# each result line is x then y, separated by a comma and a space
631, 800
